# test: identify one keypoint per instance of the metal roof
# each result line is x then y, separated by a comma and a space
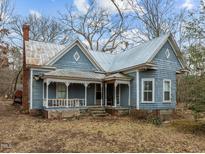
39, 53
66, 73
118, 76
137, 55
73, 74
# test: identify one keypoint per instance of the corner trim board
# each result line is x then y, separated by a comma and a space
137, 89
31, 88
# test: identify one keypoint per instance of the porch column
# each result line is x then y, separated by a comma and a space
67, 85
129, 94
95, 95
86, 85
105, 94
115, 86
119, 94
43, 91
47, 84
101, 101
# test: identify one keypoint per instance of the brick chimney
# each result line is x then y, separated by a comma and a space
25, 69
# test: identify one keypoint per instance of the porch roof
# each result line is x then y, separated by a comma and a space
118, 76
71, 74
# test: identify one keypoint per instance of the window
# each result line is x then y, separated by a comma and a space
147, 90
60, 90
167, 90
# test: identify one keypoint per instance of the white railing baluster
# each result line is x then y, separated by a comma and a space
68, 103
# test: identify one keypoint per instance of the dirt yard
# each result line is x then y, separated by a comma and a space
23, 133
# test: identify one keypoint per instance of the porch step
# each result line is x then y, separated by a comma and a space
97, 111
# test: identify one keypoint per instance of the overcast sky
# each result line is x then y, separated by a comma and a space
50, 7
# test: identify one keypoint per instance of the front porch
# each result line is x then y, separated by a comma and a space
73, 89
83, 94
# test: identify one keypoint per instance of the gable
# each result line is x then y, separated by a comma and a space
67, 61
169, 61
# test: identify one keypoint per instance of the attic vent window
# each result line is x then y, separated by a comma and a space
76, 56
167, 53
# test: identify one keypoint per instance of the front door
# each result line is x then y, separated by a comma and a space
110, 98
98, 94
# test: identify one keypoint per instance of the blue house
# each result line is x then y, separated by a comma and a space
142, 77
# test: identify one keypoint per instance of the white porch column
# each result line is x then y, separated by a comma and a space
43, 91
95, 95
129, 94
47, 84
101, 101
119, 94
67, 85
115, 85
86, 85
105, 94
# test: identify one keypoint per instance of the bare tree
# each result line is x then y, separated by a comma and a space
194, 33
6, 11
101, 30
45, 29
155, 17
9, 55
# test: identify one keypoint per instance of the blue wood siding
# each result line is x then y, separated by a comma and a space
124, 95
68, 61
166, 69
133, 89
37, 91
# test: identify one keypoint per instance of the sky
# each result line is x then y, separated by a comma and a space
51, 7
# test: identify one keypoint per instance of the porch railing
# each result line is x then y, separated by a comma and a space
69, 103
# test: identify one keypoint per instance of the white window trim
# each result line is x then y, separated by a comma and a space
170, 89
153, 92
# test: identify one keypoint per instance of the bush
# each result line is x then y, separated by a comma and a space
150, 117
139, 114
155, 120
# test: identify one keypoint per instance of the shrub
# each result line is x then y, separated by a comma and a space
155, 120
139, 114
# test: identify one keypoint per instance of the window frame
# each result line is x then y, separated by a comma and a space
170, 90
153, 90
57, 92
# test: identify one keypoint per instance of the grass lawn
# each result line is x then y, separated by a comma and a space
24, 133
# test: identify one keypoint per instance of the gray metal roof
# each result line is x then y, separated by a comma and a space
131, 57
75, 74
118, 76
39, 53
